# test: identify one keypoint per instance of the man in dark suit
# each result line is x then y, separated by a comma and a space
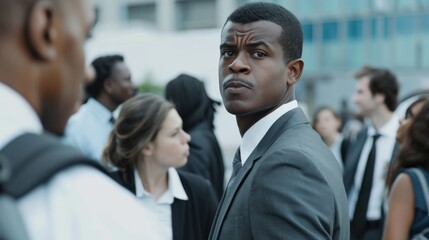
368, 159
286, 184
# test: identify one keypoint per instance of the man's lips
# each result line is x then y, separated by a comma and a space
237, 83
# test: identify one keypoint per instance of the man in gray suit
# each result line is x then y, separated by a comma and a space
286, 184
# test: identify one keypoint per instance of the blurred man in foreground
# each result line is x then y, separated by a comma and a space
41, 62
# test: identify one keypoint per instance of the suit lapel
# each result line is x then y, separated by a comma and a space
289, 119
352, 159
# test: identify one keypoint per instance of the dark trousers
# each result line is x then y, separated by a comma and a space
373, 231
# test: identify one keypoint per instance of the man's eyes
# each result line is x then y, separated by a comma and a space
227, 53
256, 54
259, 54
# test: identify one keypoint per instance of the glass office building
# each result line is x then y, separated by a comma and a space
343, 35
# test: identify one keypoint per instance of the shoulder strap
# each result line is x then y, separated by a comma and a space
423, 183
31, 159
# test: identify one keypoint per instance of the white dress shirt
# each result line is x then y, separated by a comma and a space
384, 149
161, 208
78, 203
255, 133
89, 128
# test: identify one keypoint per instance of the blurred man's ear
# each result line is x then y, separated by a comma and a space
379, 98
90, 74
41, 31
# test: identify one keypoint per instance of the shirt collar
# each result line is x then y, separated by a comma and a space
254, 134
17, 116
389, 129
175, 188
99, 110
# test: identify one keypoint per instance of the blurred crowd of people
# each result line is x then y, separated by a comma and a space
341, 176
377, 155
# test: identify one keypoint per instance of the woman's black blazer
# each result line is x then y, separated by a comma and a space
191, 219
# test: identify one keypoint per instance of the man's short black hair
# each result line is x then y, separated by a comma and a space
292, 36
103, 69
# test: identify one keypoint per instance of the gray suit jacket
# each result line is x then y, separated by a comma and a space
290, 187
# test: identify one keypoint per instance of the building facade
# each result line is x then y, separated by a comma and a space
340, 36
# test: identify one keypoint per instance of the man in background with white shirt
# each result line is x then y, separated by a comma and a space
41, 68
89, 128
368, 160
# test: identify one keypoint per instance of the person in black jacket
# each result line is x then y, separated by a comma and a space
146, 145
197, 110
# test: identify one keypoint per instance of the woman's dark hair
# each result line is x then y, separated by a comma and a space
191, 101
414, 151
408, 112
138, 124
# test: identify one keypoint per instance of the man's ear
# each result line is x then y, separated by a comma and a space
379, 98
41, 31
107, 86
295, 68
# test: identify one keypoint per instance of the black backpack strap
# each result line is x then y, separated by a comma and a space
31, 160
25, 163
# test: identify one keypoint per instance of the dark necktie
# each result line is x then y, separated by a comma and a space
236, 166
359, 217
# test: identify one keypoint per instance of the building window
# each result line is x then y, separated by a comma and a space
380, 27
142, 13
424, 22
330, 31
355, 29
307, 29
405, 24
194, 14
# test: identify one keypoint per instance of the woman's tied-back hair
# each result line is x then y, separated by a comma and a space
190, 98
292, 36
138, 124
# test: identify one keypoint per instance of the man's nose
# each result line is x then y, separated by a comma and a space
239, 65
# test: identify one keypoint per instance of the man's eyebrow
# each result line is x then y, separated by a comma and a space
227, 45
257, 44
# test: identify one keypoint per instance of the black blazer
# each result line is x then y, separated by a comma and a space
192, 218
352, 158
